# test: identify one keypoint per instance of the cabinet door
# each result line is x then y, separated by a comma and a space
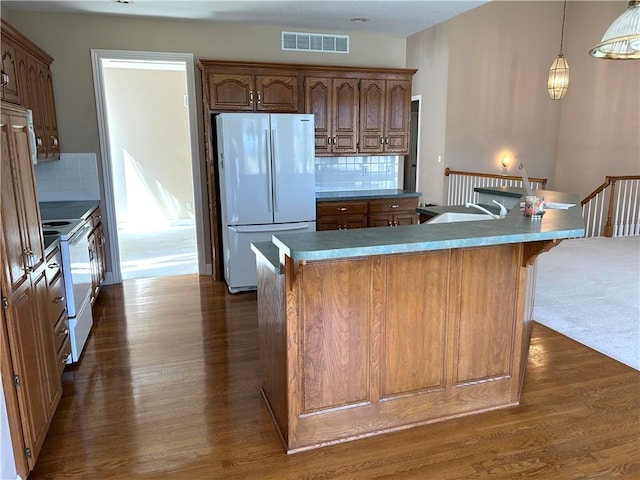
24, 340
10, 86
15, 244
372, 105
35, 104
21, 220
52, 386
345, 115
317, 100
230, 92
48, 106
277, 93
397, 116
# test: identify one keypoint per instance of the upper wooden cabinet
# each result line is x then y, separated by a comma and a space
334, 103
385, 114
358, 110
26, 72
10, 91
266, 91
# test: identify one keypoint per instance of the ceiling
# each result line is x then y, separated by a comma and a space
391, 17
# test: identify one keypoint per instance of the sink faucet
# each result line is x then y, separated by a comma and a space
503, 210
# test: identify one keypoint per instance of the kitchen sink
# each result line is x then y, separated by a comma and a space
452, 217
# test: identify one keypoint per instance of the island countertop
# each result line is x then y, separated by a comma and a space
514, 228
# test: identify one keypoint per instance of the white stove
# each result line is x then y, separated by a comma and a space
73, 235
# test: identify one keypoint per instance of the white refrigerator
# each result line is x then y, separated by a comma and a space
266, 172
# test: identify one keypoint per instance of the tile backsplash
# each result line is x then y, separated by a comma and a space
356, 173
73, 177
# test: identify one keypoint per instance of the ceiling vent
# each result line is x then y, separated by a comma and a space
315, 42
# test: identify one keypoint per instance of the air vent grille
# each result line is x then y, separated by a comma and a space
315, 42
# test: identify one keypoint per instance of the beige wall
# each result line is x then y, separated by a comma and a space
484, 74
600, 119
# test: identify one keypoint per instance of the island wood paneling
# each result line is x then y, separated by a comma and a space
335, 335
414, 326
485, 313
388, 342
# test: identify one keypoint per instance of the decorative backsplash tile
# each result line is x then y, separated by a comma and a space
356, 173
73, 177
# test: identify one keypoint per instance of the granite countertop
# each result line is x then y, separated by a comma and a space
514, 228
65, 210
364, 195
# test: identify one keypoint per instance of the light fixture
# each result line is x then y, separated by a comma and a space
621, 41
505, 161
558, 82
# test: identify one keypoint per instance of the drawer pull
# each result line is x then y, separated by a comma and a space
64, 333
65, 359
53, 265
394, 206
342, 209
58, 300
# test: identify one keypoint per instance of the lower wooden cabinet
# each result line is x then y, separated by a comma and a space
382, 212
341, 215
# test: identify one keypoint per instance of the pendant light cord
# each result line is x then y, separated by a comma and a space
564, 12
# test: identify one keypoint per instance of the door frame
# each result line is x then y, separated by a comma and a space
97, 55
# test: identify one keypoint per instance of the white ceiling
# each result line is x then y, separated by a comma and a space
392, 17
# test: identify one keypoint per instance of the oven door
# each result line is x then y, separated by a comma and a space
77, 277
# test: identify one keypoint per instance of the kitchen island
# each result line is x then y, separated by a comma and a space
374, 330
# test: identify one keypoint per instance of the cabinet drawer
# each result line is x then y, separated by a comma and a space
57, 301
63, 354
61, 332
54, 265
341, 208
391, 205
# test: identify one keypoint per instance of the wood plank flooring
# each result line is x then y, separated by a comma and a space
168, 388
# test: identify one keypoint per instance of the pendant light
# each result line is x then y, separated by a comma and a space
621, 41
558, 82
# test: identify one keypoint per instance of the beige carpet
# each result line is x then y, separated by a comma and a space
589, 289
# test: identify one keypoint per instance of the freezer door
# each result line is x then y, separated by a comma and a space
294, 184
239, 260
244, 168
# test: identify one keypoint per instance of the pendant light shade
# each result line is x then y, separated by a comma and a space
621, 41
558, 82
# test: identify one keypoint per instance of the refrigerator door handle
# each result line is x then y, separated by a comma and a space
276, 167
273, 228
269, 171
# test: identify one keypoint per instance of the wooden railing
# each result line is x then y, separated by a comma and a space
461, 184
613, 209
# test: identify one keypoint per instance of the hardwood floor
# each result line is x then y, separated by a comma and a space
168, 387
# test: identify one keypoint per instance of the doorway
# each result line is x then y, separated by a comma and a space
149, 162
411, 160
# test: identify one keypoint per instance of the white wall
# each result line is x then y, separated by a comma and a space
483, 78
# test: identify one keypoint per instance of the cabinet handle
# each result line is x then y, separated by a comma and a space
381, 140
5, 78
386, 140
64, 333
334, 140
259, 97
53, 265
54, 141
251, 96
342, 209
394, 206
38, 141
328, 140
65, 359
58, 300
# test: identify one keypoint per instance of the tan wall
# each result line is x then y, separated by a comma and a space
149, 132
485, 73
600, 118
